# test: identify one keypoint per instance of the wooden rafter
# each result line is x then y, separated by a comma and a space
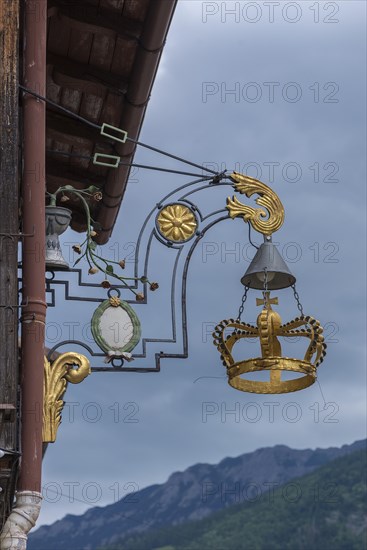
97, 20
85, 77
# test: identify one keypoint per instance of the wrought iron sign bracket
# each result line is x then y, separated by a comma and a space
178, 223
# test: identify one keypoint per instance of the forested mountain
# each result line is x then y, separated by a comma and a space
199, 491
325, 510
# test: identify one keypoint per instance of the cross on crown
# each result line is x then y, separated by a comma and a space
267, 301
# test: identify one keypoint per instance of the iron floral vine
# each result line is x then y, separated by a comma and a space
87, 249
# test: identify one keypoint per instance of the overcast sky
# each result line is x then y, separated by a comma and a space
276, 90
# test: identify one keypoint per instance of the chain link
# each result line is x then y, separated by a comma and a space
242, 306
296, 297
265, 295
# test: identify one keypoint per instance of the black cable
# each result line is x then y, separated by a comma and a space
133, 165
98, 127
164, 170
171, 156
54, 104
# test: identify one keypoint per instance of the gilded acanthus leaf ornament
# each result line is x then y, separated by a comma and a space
56, 376
265, 220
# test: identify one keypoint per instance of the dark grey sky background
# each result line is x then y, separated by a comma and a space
318, 145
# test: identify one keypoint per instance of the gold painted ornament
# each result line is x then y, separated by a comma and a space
268, 328
56, 376
267, 219
176, 222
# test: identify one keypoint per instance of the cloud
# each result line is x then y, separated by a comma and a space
310, 133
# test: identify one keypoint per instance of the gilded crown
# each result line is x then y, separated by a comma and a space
268, 327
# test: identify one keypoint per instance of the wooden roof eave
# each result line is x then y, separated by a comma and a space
147, 59
102, 68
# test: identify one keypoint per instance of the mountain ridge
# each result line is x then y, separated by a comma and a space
189, 495
324, 510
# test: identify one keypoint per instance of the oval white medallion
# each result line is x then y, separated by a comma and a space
115, 327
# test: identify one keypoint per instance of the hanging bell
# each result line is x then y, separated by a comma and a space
57, 221
268, 259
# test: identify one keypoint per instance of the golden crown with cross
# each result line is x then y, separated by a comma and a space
268, 328
267, 271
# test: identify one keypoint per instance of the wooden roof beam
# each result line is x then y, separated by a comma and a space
73, 175
99, 20
70, 130
85, 77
